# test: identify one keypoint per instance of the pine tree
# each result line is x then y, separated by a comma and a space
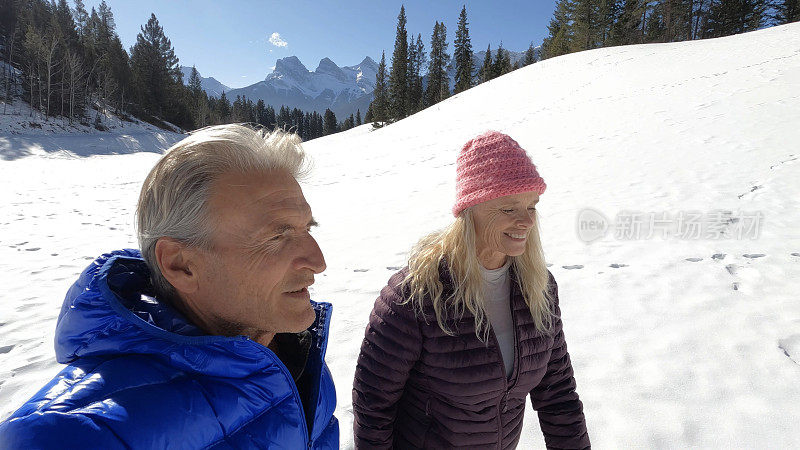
787, 11
358, 117
627, 29
199, 99
368, 115
155, 68
530, 56
671, 21
398, 76
81, 17
588, 24
306, 127
462, 53
195, 84
502, 62
380, 95
487, 68
261, 113
416, 61
438, 87
735, 16
560, 38
330, 123
223, 109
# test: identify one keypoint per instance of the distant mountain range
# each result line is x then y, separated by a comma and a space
342, 89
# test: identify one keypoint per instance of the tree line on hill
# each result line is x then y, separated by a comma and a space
587, 24
576, 25
67, 61
400, 92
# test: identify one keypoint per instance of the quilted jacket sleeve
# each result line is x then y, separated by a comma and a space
555, 399
391, 346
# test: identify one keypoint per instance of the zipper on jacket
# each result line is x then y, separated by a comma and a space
502, 405
295, 393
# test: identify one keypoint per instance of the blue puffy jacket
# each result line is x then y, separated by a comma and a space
141, 376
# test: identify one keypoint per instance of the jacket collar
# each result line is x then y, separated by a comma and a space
108, 312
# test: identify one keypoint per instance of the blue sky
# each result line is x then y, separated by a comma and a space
231, 41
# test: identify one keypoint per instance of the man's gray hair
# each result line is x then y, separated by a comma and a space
174, 198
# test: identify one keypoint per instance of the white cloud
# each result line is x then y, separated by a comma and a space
277, 41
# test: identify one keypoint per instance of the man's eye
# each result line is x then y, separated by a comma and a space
277, 237
507, 211
532, 208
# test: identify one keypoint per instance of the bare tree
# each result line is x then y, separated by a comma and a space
9, 68
33, 52
86, 92
75, 73
51, 66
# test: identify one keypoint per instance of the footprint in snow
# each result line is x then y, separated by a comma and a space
719, 256
393, 267
795, 254
6, 349
33, 249
791, 347
754, 255
752, 189
694, 259
731, 268
577, 266
617, 266
360, 270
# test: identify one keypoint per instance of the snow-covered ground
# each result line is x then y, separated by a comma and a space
678, 340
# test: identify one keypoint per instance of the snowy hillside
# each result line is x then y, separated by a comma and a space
689, 337
25, 132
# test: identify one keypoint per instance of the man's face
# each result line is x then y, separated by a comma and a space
254, 280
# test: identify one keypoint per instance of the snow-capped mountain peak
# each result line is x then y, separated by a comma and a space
342, 89
328, 67
289, 66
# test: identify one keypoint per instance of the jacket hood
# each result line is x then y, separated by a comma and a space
110, 311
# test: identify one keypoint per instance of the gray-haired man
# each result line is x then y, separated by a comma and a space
209, 338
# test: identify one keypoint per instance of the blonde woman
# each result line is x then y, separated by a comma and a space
462, 336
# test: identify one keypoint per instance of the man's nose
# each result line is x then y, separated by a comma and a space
311, 257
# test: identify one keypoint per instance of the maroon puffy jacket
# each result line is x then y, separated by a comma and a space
417, 387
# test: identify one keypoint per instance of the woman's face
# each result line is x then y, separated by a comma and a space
502, 226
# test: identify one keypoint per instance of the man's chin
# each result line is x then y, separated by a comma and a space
303, 320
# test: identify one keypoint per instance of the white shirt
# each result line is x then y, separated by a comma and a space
497, 298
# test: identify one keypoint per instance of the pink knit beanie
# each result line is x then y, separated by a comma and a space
490, 166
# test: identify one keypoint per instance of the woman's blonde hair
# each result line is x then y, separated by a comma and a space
454, 247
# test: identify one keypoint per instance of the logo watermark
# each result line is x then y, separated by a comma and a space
592, 225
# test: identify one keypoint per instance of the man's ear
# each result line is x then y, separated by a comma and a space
177, 264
